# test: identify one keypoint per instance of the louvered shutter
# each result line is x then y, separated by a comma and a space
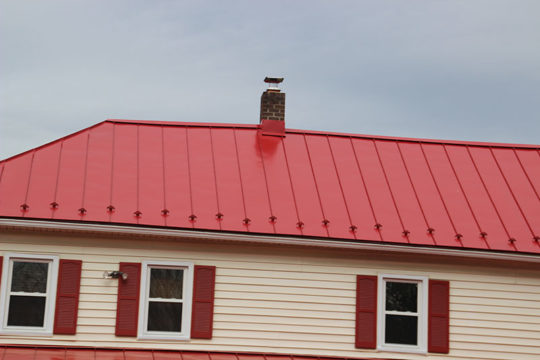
366, 312
438, 323
203, 302
127, 310
67, 297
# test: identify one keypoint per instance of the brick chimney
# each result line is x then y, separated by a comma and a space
272, 119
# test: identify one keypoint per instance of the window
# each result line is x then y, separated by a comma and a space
402, 319
28, 293
165, 306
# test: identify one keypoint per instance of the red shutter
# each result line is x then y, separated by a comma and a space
203, 302
366, 312
127, 310
67, 297
439, 309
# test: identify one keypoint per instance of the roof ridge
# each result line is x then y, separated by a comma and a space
329, 133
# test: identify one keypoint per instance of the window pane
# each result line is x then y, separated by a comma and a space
166, 283
26, 310
164, 316
401, 296
29, 277
401, 329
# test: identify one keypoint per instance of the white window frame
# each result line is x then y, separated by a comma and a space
144, 300
50, 295
422, 282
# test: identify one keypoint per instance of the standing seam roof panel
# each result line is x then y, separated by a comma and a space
229, 191
253, 182
503, 201
41, 187
428, 195
176, 170
521, 188
305, 192
15, 177
124, 187
151, 175
480, 202
329, 187
203, 187
379, 193
279, 185
404, 196
71, 178
98, 173
354, 194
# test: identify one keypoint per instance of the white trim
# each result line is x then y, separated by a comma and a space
422, 313
142, 333
263, 239
50, 302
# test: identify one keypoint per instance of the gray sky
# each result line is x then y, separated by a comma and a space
466, 70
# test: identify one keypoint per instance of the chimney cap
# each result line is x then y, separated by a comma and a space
272, 80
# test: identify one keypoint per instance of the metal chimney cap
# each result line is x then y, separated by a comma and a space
271, 80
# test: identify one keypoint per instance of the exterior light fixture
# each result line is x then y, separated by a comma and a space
115, 275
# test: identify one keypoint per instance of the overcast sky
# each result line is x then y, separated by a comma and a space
466, 70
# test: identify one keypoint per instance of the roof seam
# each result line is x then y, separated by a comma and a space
291, 184
212, 151
464, 194
389, 188
315, 181
365, 186
512, 192
438, 190
341, 188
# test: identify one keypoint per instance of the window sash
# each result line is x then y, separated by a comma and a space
420, 314
187, 285
6, 294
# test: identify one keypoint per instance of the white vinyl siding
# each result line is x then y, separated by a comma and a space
300, 301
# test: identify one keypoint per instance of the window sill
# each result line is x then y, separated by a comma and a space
402, 349
163, 337
29, 332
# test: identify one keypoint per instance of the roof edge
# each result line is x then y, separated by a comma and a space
105, 228
53, 142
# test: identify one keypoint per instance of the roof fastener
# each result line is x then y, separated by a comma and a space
110, 208
137, 213
54, 205
406, 232
246, 221
326, 222
353, 228
458, 236
536, 238
430, 230
165, 212
483, 234
192, 217
25, 207
511, 240
219, 216
272, 219
378, 226
300, 224
82, 211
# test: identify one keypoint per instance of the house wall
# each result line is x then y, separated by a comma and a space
301, 301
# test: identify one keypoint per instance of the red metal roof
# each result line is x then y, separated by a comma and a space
230, 178
67, 353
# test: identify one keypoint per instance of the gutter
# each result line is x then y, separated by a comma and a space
106, 229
